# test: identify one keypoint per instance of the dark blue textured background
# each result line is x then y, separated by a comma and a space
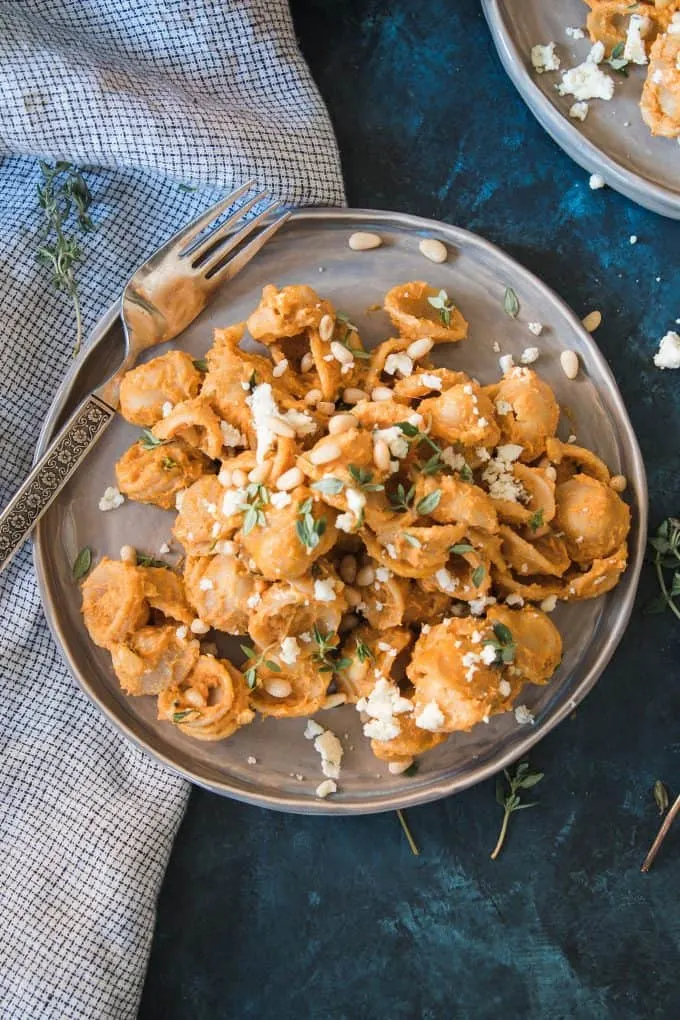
264, 915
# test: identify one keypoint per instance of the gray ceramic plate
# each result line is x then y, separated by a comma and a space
312, 248
644, 168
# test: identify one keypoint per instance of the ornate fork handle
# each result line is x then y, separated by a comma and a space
51, 473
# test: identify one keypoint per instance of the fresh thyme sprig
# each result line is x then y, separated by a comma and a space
522, 779
666, 558
444, 305
148, 441
326, 652
415, 850
662, 801
536, 519
417, 437
401, 499
150, 561
63, 187
364, 479
363, 651
254, 663
428, 503
308, 528
502, 643
257, 498
617, 61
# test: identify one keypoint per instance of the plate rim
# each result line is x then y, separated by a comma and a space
584, 152
447, 785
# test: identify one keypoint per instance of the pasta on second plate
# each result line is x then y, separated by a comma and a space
373, 527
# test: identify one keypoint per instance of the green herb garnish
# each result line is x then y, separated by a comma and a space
168, 463
666, 559
401, 499
536, 519
254, 663
363, 651
478, 575
257, 498
308, 528
149, 561
617, 61
444, 306
148, 441
407, 832
183, 714
329, 486
62, 188
326, 652
364, 479
522, 779
511, 303
429, 503
503, 644
82, 563
201, 364
460, 548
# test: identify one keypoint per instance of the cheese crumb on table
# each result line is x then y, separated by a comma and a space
596, 182
668, 354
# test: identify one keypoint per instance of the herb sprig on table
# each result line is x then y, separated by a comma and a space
508, 789
665, 547
63, 191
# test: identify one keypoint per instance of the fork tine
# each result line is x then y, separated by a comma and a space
188, 234
200, 249
212, 262
236, 264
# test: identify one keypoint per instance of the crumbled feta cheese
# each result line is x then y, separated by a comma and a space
112, 499
382, 705
251, 760
483, 454
667, 356
499, 477
164, 548
398, 363
496, 347
254, 600
597, 52
548, 604
394, 437
346, 522
279, 500
425, 629
579, 111
596, 181
331, 751
503, 407
327, 787
263, 407
391, 551
430, 717
634, 49
356, 501
383, 574
575, 33
232, 436
544, 58
289, 651
205, 584
181, 632
504, 689
306, 637
482, 423
456, 461
324, 591
513, 599
446, 581
166, 409
524, 715
232, 499
303, 423
535, 327
506, 361
586, 81
488, 655
312, 730
529, 355
433, 382
477, 606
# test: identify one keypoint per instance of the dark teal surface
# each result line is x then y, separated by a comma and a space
267, 916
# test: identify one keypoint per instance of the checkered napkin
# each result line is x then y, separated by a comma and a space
155, 92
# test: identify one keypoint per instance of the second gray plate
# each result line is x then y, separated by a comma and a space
312, 248
613, 140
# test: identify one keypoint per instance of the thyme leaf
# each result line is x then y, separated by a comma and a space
509, 799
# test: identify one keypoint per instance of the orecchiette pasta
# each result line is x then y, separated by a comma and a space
374, 526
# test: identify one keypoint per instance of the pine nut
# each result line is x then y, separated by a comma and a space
278, 688
361, 240
224, 478
194, 698
128, 554
313, 397
335, 700
592, 321
307, 362
381, 455
569, 363
352, 395
279, 427
279, 369
352, 595
341, 353
326, 327
551, 473
419, 348
290, 479
325, 407
340, 423
260, 473
365, 576
348, 568
381, 393
618, 483
325, 454
397, 767
433, 250
199, 627
238, 478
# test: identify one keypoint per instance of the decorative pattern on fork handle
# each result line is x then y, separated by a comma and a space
49, 475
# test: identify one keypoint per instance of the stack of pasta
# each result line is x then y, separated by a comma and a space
383, 531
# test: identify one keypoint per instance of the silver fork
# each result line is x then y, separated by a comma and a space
162, 298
